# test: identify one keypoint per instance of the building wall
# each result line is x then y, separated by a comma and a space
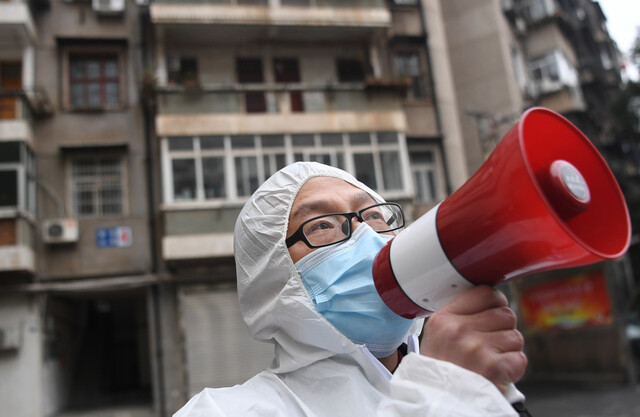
69, 27
480, 43
21, 367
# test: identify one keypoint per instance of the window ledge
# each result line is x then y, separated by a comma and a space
96, 109
202, 205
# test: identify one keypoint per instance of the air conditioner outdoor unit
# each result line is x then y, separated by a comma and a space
109, 7
60, 231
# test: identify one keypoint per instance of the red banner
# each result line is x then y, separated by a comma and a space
569, 303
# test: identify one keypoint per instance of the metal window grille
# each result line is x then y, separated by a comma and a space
97, 187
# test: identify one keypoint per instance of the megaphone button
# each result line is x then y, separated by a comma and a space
568, 179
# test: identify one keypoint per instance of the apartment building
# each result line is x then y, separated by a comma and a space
75, 308
241, 90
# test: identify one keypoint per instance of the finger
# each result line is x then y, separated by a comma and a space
491, 320
504, 341
503, 369
475, 300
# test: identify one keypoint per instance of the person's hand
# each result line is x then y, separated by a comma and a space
477, 331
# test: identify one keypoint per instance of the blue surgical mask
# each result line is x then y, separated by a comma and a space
339, 280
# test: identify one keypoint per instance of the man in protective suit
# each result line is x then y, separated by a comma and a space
304, 245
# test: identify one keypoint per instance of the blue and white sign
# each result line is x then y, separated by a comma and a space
114, 237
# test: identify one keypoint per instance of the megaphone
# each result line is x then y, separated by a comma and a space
544, 199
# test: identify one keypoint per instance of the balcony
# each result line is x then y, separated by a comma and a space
297, 20
263, 108
17, 111
16, 246
16, 24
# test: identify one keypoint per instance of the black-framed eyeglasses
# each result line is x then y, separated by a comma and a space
333, 228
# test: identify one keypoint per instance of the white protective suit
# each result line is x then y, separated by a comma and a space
317, 371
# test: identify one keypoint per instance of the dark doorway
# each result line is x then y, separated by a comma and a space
106, 346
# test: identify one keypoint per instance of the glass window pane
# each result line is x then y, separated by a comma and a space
391, 172
421, 157
111, 68
93, 69
303, 140
331, 139
77, 95
432, 185
9, 152
83, 168
94, 99
76, 68
387, 137
365, 170
212, 142
184, 179
110, 198
419, 184
84, 202
360, 138
323, 158
273, 141
97, 186
242, 142
181, 144
213, 177
246, 175
9, 188
111, 94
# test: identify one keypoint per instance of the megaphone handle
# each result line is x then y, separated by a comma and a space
516, 399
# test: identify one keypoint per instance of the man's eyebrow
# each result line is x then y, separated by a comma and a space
363, 197
324, 206
311, 207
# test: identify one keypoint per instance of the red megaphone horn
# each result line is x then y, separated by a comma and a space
544, 199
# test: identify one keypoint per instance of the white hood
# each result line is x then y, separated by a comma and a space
274, 303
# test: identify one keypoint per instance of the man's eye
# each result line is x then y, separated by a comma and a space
376, 215
320, 226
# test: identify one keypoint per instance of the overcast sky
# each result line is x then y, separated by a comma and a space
623, 23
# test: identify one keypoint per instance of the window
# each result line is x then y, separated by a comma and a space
10, 79
553, 71
287, 70
350, 71
97, 186
424, 171
229, 168
94, 80
182, 70
408, 65
519, 69
539, 9
249, 71
17, 178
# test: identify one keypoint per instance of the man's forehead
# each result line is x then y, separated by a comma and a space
324, 193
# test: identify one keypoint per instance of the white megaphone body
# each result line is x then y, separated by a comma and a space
544, 199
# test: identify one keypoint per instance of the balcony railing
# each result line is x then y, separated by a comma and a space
279, 99
21, 104
285, 3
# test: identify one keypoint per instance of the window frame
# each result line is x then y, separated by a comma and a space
124, 184
287, 154
94, 50
26, 175
421, 79
435, 166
